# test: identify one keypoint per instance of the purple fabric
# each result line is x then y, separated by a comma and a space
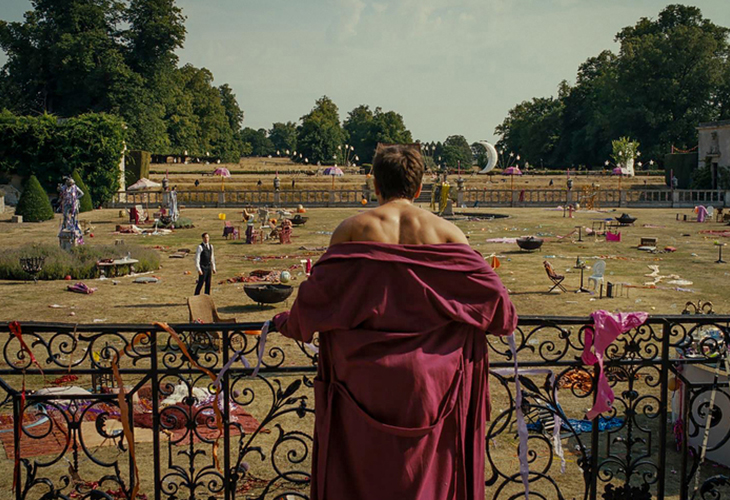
401, 391
606, 328
701, 213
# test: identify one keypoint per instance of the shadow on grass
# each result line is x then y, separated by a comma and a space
143, 306
245, 308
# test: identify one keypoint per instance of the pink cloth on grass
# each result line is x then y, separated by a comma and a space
613, 236
401, 390
606, 328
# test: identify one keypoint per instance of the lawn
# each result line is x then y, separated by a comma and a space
522, 272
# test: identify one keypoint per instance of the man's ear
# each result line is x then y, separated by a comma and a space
418, 192
377, 188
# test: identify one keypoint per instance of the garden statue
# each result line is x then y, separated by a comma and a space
174, 212
70, 234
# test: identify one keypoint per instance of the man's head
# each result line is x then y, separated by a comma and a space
398, 170
206, 237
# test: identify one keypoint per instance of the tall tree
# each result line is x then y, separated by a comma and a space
156, 31
669, 70
284, 137
320, 132
367, 129
258, 144
358, 125
67, 57
457, 153
532, 129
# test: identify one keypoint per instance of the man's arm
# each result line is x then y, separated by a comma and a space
197, 259
212, 259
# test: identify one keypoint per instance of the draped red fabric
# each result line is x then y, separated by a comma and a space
401, 391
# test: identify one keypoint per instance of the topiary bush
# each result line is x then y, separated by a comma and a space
85, 203
34, 204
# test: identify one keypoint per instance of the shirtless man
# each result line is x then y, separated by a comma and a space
402, 305
397, 220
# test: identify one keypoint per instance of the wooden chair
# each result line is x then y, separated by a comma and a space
230, 230
554, 277
202, 310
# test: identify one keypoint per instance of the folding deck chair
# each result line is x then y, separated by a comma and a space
203, 310
554, 277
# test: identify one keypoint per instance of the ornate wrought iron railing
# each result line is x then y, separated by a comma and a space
71, 444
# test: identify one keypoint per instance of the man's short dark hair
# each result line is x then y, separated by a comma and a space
204, 235
398, 170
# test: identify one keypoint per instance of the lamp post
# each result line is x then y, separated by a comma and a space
347, 155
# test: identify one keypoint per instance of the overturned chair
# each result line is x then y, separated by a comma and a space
202, 310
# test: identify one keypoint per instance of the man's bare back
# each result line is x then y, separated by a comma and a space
398, 222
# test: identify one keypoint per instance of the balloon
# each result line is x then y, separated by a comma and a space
285, 277
364, 201
222, 216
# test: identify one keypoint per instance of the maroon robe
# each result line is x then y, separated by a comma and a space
401, 392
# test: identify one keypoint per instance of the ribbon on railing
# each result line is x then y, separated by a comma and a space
606, 328
213, 378
521, 425
16, 331
557, 420
124, 411
708, 419
239, 355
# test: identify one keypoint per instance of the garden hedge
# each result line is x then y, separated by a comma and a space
51, 148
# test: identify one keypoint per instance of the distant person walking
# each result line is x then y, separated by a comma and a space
205, 264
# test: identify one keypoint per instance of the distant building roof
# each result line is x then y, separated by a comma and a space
717, 124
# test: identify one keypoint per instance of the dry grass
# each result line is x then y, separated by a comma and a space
521, 272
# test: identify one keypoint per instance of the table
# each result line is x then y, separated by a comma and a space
113, 266
581, 289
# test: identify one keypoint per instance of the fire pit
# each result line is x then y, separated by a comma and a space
529, 243
267, 293
626, 219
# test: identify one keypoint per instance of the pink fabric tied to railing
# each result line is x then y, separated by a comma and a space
607, 327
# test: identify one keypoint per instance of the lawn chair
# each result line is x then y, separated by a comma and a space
230, 230
202, 310
599, 268
554, 277
137, 215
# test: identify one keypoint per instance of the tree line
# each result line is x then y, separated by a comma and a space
670, 74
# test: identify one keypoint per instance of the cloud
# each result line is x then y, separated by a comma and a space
346, 20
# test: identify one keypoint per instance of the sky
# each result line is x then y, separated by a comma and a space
447, 66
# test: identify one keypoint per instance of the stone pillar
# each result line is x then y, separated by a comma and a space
515, 198
622, 198
67, 240
277, 198
727, 199
449, 210
675, 198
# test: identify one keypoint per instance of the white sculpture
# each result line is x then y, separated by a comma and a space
491, 157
